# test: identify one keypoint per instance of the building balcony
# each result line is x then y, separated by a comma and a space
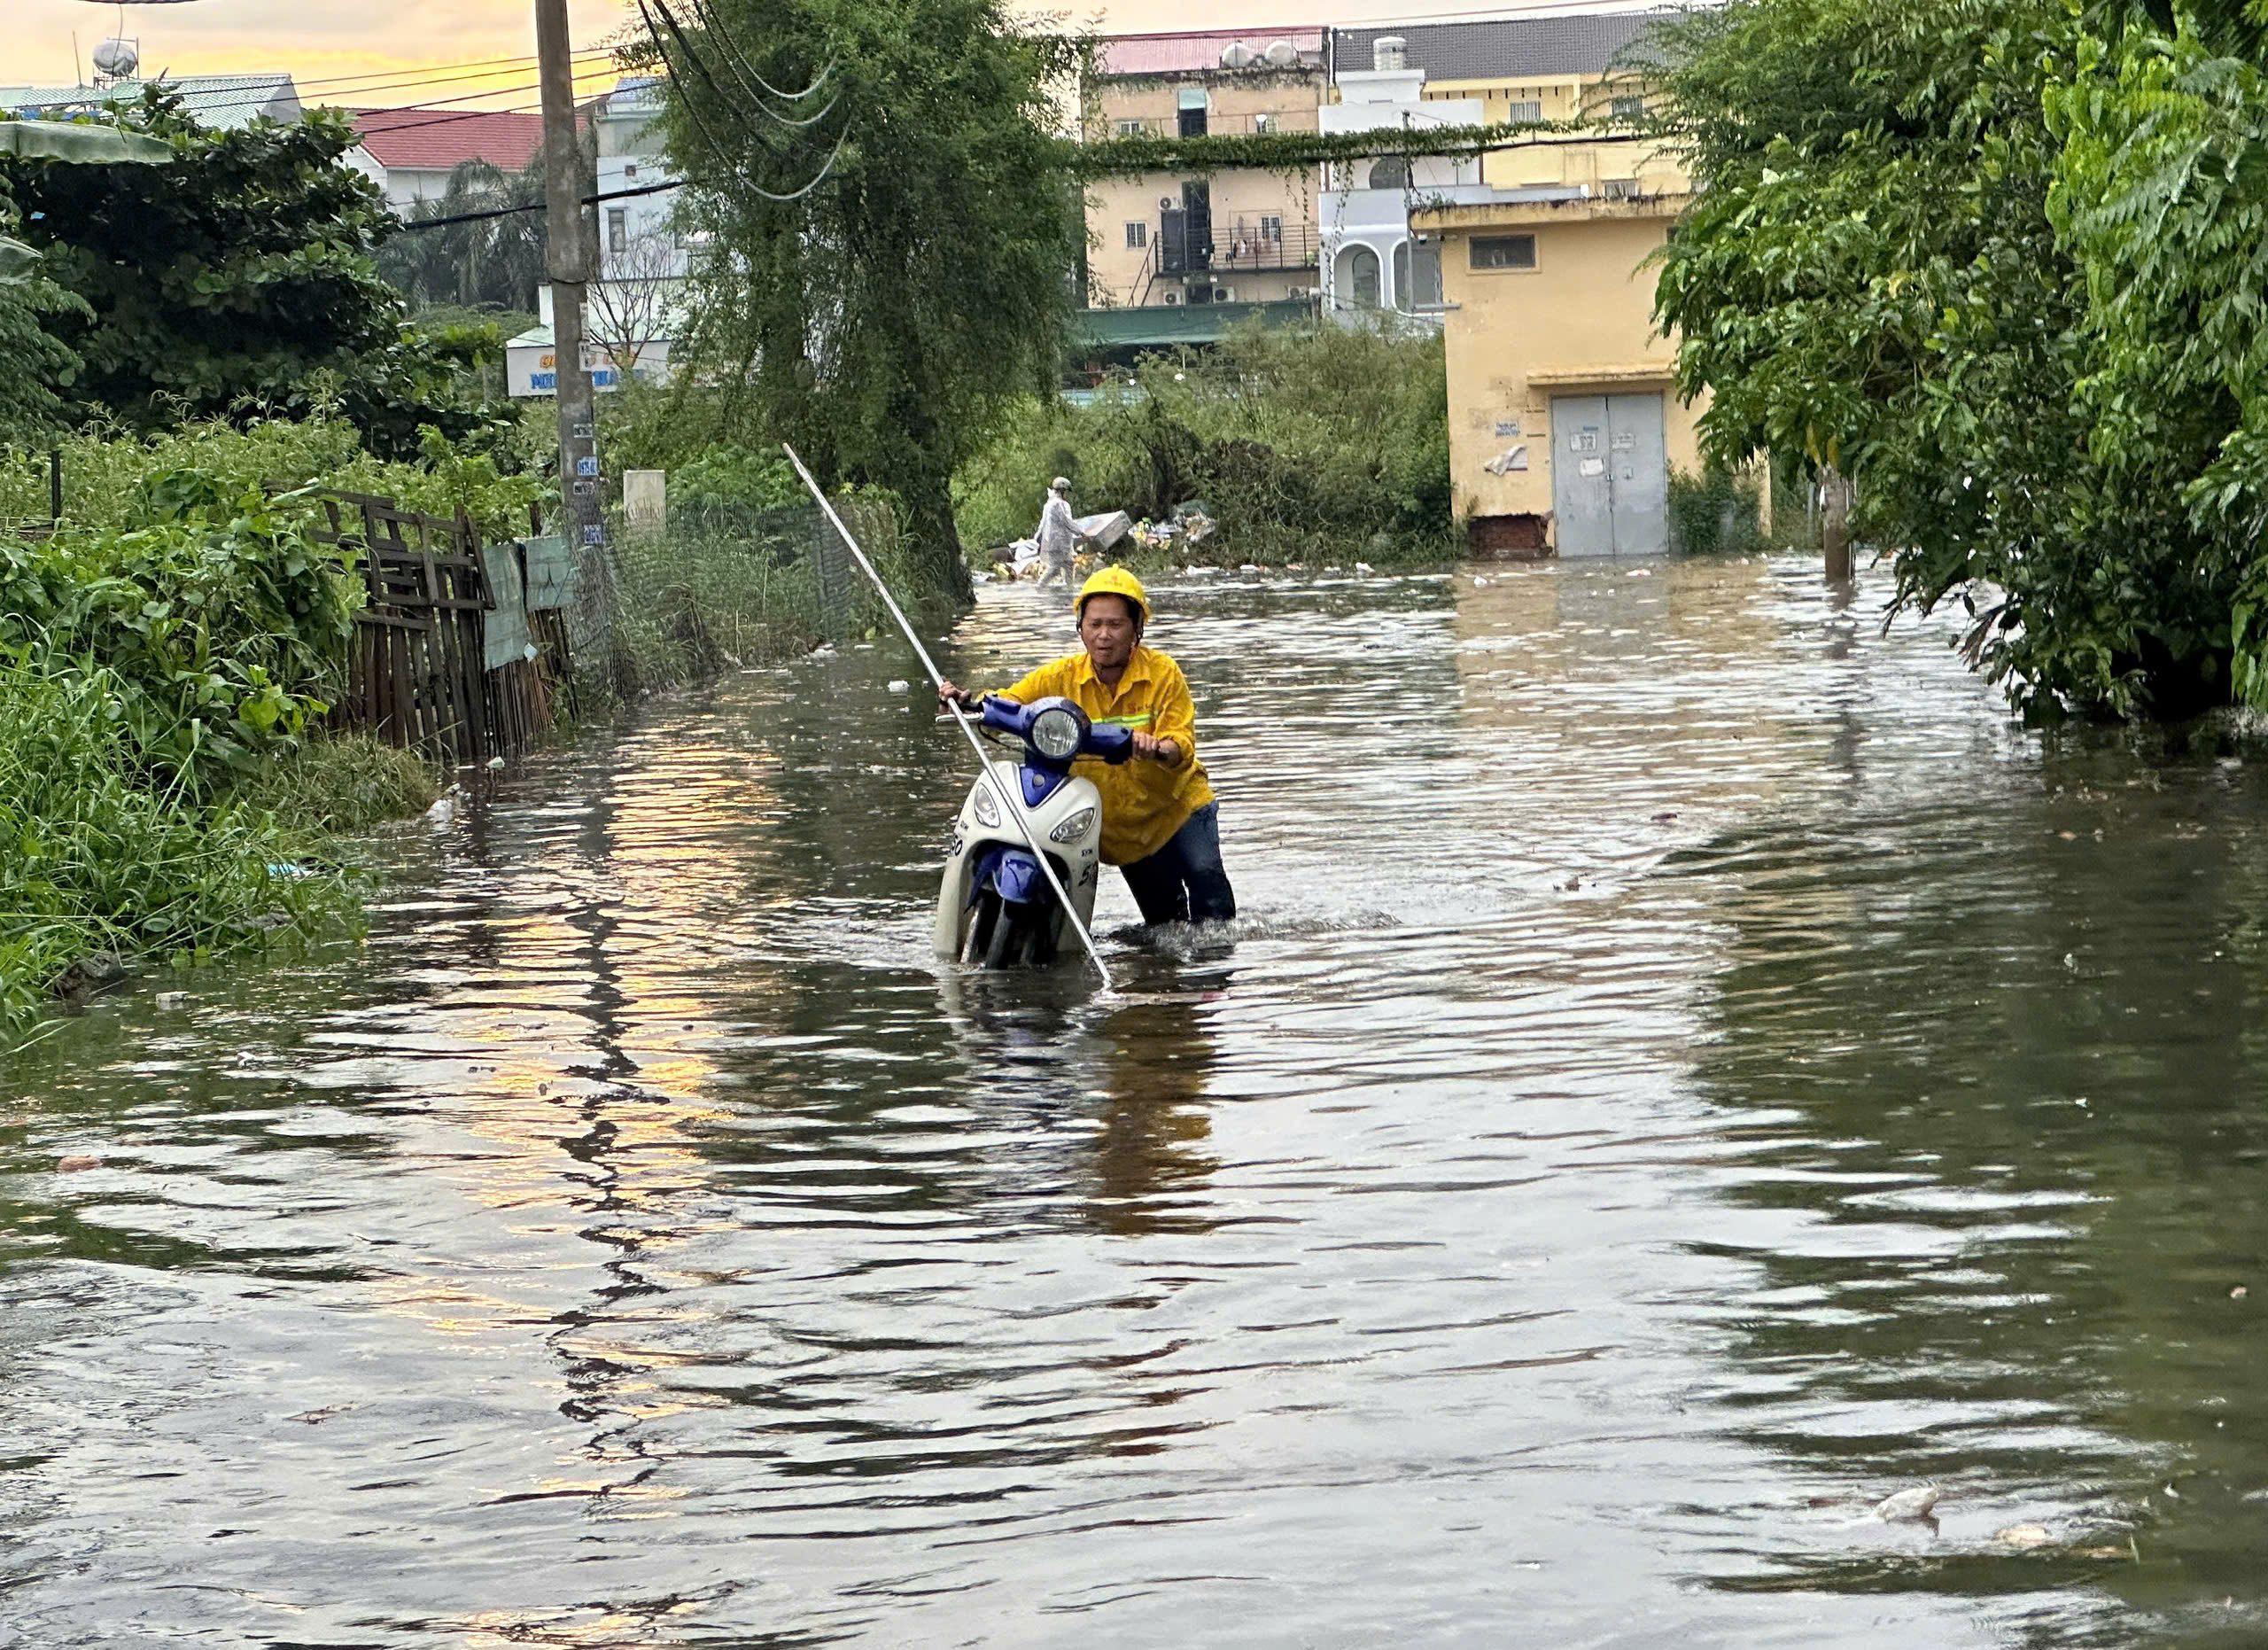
1230, 248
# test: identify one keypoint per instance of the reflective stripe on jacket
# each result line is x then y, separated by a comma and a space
1143, 802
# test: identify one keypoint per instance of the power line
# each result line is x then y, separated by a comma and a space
646, 10
349, 83
473, 63
420, 225
596, 73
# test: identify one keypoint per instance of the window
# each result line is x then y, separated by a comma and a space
1629, 108
1503, 252
1131, 128
1358, 276
1263, 123
1525, 113
1618, 188
630, 170
1390, 175
1271, 228
618, 229
1192, 101
1137, 236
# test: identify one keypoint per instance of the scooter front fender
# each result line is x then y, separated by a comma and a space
1016, 875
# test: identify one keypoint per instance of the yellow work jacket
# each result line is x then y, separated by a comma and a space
1143, 802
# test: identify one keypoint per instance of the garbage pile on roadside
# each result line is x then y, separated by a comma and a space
1190, 524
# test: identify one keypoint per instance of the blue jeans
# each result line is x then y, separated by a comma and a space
1185, 881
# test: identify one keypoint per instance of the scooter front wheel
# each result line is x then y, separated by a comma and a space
1005, 947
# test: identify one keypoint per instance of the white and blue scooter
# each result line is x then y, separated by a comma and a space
1055, 820
995, 906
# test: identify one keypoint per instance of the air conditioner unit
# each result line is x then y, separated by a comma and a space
1172, 298
1224, 295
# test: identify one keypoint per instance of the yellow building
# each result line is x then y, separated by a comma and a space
1235, 237
1564, 420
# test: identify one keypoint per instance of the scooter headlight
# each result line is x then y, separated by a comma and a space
1074, 828
1055, 733
988, 811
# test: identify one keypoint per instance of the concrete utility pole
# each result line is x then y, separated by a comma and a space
563, 188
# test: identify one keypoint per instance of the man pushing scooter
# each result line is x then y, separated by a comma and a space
1161, 825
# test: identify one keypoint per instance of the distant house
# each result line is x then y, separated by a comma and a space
1564, 423
636, 309
1522, 69
1240, 236
1370, 261
221, 102
409, 154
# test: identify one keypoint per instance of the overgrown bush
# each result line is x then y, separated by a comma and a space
104, 857
1714, 513
1326, 441
108, 472
161, 790
220, 625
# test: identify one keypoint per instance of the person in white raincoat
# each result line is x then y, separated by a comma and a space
1058, 535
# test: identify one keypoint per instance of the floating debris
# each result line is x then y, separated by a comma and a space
77, 1163
171, 1000
2024, 1537
897, 686
1917, 1503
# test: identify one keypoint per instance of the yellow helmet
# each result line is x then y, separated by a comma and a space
1115, 581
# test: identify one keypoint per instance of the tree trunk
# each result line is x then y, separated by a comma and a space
936, 539
1835, 523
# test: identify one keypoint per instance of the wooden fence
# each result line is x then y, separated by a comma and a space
424, 672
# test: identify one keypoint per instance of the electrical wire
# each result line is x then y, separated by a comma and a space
354, 89
646, 8
419, 225
746, 73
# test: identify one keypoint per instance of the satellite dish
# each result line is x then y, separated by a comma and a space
118, 59
1282, 54
1238, 56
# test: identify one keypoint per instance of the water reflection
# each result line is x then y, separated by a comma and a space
2017, 1106
1637, 1124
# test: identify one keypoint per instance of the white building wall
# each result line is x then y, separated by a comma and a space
1367, 246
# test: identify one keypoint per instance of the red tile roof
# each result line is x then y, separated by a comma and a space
436, 140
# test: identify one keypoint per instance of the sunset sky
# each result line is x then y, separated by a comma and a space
346, 52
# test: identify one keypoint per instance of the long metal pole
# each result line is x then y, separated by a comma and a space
1014, 807
564, 264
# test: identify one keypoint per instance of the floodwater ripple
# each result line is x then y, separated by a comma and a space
1687, 1068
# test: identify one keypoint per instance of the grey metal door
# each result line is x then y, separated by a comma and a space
1610, 482
1582, 506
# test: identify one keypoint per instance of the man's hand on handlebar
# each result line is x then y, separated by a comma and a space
947, 694
1156, 749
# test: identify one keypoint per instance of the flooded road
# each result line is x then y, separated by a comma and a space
1688, 1070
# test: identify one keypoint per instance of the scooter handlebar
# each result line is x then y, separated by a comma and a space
1002, 715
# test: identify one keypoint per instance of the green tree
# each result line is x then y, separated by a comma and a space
2161, 192
1871, 277
885, 316
237, 279
39, 361
492, 262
